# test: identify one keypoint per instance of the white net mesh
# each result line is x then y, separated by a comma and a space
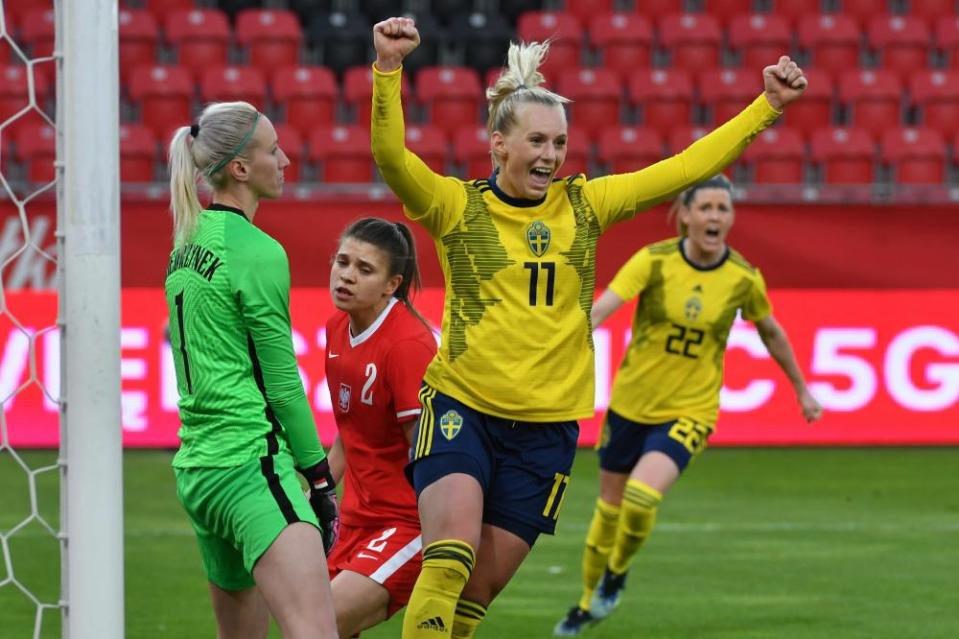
29, 336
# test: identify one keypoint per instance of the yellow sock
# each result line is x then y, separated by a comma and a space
636, 520
599, 541
468, 617
447, 565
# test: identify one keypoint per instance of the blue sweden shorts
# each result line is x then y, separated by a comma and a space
237, 513
622, 441
523, 467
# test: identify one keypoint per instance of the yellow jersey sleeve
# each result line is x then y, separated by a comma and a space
435, 201
620, 197
631, 279
757, 305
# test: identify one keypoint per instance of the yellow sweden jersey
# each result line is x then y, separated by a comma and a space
674, 365
520, 274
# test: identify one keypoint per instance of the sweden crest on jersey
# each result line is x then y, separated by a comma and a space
538, 236
450, 424
694, 307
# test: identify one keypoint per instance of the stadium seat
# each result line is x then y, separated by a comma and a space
845, 156
342, 39
935, 94
161, 9
656, 9
947, 40
793, 10
482, 37
271, 36
307, 94
343, 153
900, 42
692, 40
914, 156
664, 96
725, 10
14, 9
514, 9
15, 96
816, 106
759, 39
831, 42
872, 98
358, 92
429, 143
38, 32
623, 149
584, 10
450, 95
564, 32
138, 153
862, 11
933, 9
163, 93
577, 153
726, 92
291, 141
596, 96
234, 83
446, 10
37, 149
138, 40
681, 137
200, 38
306, 9
776, 157
623, 40
472, 152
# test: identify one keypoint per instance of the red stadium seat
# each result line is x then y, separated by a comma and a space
163, 8
471, 151
901, 42
832, 42
626, 148
759, 39
451, 96
776, 156
15, 96
584, 10
138, 153
564, 32
933, 9
873, 99
665, 97
936, 97
815, 108
37, 149
623, 39
228, 84
692, 40
343, 153
793, 10
845, 156
596, 97
163, 93
724, 10
655, 9
429, 143
272, 36
915, 156
682, 137
291, 141
358, 92
15, 9
862, 11
138, 40
577, 153
200, 37
307, 94
726, 92
38, 32
947, 39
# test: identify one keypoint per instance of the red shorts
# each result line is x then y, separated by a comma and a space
390, 556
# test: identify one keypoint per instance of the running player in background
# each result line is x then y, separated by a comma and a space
665, 397
245, 420
496, 440
377, 349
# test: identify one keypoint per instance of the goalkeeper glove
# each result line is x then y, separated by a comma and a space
323, 501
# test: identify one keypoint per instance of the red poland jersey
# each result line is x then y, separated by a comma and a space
374, 380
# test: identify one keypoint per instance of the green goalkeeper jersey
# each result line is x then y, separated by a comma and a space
241, 396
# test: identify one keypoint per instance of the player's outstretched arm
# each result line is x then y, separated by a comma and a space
605, 306
393, 40
784, 82
777, 343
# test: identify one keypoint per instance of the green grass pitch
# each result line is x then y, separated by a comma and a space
779, 543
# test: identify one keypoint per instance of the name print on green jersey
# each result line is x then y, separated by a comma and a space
200, 259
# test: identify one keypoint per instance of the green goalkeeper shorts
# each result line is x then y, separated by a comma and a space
238, 512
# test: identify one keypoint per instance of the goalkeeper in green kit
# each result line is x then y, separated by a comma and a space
246, 424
